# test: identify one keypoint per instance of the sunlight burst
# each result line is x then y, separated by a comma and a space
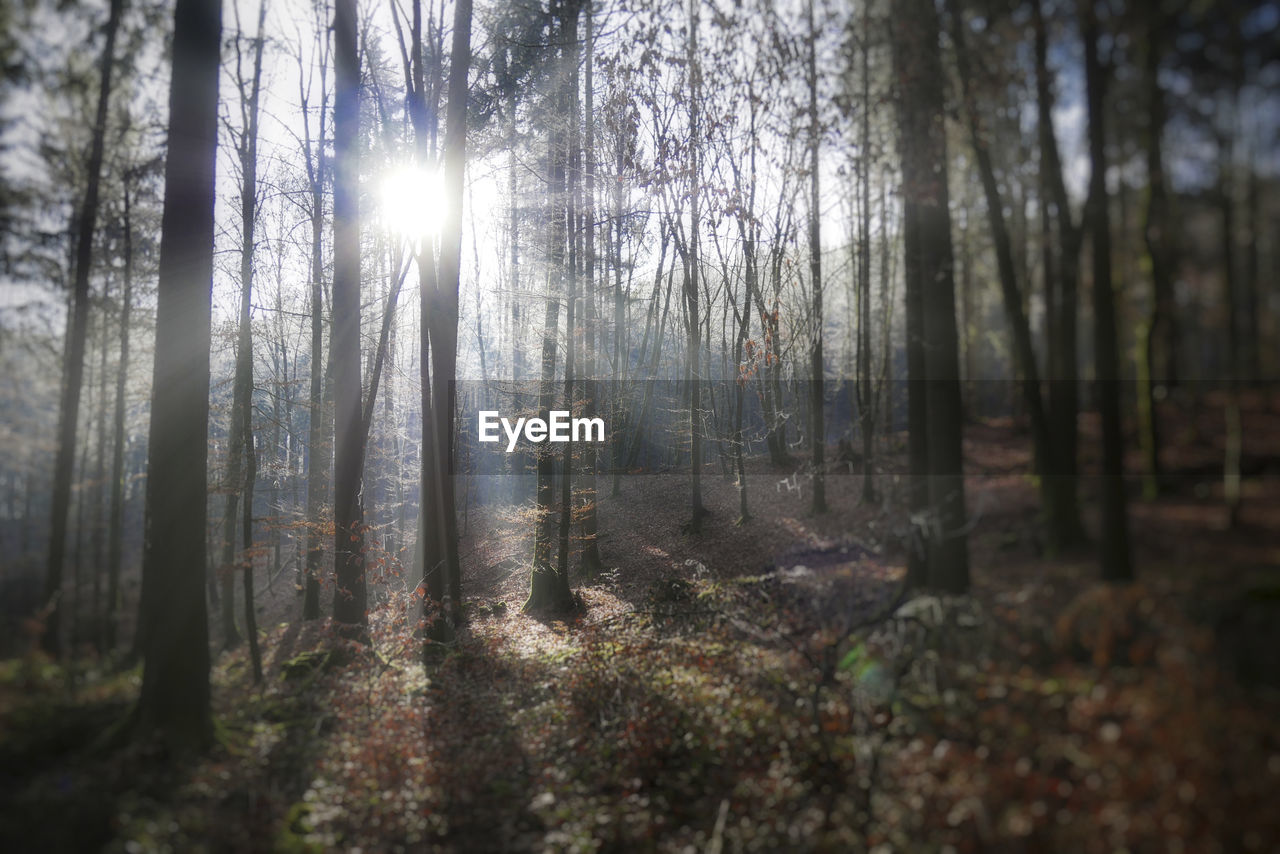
413, 202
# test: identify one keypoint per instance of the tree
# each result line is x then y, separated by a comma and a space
691, 297
350, 595
115, 525
549, 589
1116, 559
318, 459
1157, 350
928, 259
444, 332
240, 447
1045, 453
77, 335
591, 560
864, 390
1062, 305
174, 624
817, 434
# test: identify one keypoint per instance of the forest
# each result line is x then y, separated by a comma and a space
639, 425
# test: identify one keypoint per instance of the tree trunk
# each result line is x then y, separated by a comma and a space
1154, 337
1064, 381
697, 511
1046, 464
1116, 558
817, 368
864, 389
919, 67
174, 625
444, 336
99, 489
318, 458
591, 560
549, 590
115, 527
77, 335
349, 600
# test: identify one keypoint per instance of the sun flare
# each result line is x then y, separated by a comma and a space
413, 202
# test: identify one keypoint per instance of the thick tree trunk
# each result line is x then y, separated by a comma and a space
174, 624
917, 60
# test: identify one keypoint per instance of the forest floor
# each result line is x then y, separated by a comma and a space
746, 688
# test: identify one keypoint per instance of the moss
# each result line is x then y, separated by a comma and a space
292, 838
307, 664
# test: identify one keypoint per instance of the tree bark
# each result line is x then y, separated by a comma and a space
349, 600
444, 336
697, 510
318, 459
549, 590
592, 563
115, 527
917, 62
174, 626
1063, 375
1116, 558
817, 368
77, 335
1156, 339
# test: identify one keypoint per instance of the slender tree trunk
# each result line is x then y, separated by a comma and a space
519, 460
242, 405
697, 511
1064, 378
1154, 337
77, 335
1046, 464
250, 614
573, 220
1116, 558
817, 368
318, 458
115, 527
749, 233
99, 489
865, 392
549, 589
174, 627
1231, 303
591, 560
621, 352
